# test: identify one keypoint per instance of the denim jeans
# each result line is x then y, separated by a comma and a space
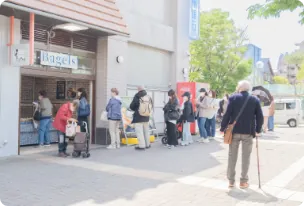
187, 137
210, 127
271, 123
201, 121
44, 131
62, 142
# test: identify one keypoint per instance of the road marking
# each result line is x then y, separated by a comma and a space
283, 179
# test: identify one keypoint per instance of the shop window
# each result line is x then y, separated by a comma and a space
290, 106
279, 106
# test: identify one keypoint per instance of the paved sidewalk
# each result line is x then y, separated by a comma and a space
183, 176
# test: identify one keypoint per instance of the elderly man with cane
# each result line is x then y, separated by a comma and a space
244, 115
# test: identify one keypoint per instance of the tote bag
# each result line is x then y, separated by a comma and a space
70, 129
104, 116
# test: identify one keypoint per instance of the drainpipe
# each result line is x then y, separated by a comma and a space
32, 36
65, 19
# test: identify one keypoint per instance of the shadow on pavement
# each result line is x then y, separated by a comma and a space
108, 175
250, 195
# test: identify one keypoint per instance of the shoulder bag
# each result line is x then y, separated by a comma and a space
229, 130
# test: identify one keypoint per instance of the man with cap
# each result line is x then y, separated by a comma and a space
187, 117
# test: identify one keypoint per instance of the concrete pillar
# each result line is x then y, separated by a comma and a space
109, 74
9, 91
181, 10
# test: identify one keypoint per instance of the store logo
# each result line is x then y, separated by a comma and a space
58, 60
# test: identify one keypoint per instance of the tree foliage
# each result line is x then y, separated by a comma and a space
218, 54
280, 80
295, 58
274, 8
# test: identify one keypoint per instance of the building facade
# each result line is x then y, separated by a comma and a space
268, 73
94, 44
255, 54
286, 70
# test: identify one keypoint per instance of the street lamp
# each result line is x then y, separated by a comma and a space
258, 67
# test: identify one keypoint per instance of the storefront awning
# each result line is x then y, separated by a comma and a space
96, 14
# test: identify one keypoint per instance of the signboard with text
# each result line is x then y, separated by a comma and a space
58, 60
194, 20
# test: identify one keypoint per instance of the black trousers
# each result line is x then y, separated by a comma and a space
171, 134
80, 123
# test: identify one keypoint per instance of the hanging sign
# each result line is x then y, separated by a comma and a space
194, 19
58, 60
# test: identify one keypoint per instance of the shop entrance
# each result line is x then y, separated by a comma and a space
59, 91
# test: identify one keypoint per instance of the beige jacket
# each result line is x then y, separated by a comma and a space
207, 108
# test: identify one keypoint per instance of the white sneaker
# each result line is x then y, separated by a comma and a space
211, 138
206, 141
117, 146
111, 147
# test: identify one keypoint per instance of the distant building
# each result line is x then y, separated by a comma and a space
255, 54
287, 70
267, 70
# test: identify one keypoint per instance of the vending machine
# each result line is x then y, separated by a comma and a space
193, 88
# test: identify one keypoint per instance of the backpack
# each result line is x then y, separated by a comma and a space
145, 106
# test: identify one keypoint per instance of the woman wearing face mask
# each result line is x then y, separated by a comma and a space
84, 109
187, 118
171, 113
201, 119
64, 115
210, 113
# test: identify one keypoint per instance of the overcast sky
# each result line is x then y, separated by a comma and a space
273, 36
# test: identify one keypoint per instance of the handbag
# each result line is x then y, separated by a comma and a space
37, 115
104, 116
229, 130
70, 129
173, 115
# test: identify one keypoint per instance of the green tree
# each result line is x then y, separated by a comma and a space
218, 54
280, 80
295, 58
274, 8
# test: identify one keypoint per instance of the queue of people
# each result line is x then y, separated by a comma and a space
75, 110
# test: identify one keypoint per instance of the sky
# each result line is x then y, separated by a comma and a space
273, 36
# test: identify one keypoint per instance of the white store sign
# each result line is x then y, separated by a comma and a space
58, 60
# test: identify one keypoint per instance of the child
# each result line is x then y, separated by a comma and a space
187, 117
63, 116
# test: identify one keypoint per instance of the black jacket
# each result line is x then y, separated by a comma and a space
188, 114
169, 107
250, 121
134, 106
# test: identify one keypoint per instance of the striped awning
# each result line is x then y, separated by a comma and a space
101, 13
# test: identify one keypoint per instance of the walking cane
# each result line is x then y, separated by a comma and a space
258, 160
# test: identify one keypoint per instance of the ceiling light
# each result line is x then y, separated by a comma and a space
70, 27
